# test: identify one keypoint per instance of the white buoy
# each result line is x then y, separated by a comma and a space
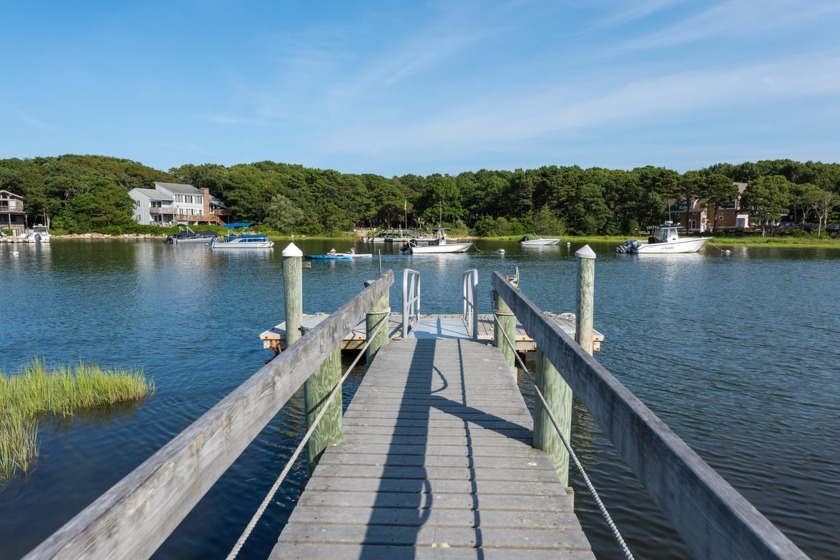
501, 251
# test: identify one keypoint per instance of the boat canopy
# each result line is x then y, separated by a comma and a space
236, 225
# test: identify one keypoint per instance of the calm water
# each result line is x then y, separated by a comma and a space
738, 355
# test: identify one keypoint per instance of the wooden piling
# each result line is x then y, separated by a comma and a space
293, 291
380, 312
316, 389
505, 321
585, 298
558, 395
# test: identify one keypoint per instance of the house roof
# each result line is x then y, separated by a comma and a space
153, 194
10, 195
178, 188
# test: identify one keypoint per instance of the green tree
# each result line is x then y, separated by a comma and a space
820, 203
718, 190
767, 198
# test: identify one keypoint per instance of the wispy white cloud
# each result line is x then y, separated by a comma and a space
25, 117
680, 97
736, 18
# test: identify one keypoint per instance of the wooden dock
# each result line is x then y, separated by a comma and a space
275, 338
436, 462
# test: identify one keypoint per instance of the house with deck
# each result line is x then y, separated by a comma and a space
171, 203
702, 216
12, 213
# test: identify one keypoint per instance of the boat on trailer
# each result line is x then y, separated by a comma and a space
666, 240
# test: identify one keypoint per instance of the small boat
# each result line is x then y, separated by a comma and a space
332, 255
37, 234
188, 236
665, 240
436, 246
535, 241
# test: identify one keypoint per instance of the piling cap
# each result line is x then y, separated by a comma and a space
292, 250
585, 252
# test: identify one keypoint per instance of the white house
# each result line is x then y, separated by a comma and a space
170, 203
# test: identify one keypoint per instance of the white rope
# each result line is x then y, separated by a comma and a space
627, 554
333, 392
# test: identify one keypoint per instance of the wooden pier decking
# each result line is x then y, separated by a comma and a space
436, 462
275, 338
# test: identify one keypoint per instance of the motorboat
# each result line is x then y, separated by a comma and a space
37, 234
435, 246
243, 241
188, 236
534, 241
333, 255
665, 240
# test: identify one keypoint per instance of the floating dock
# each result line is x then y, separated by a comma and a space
446, 326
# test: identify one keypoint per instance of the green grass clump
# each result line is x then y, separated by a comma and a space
37, 391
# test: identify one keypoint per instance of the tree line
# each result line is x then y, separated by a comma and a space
76, 193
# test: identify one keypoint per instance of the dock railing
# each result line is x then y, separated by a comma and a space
713, 518
134, 517
410, 300
470, 302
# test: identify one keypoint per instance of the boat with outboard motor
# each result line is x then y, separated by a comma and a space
187, 236
332, 255
534, 241
435, 246
666, 240
37, 234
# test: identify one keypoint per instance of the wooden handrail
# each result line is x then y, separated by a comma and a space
134, 517
713, 518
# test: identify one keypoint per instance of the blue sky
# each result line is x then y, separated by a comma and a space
423, 87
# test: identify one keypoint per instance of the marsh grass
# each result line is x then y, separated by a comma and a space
37, 392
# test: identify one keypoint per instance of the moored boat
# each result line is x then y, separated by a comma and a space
666, 240
243, 241
333, 255
37, 234
534, 241
436, 246
188, 236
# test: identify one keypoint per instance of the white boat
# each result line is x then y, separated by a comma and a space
436, 246
664, 241
538, 241
242, 242
332, 255
38, 234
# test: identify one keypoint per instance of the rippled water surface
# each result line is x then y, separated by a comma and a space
738, 354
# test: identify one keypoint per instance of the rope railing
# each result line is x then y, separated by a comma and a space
591, 487
301, 446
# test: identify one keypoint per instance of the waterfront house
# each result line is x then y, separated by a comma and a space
171, 203
12, 213
730, 216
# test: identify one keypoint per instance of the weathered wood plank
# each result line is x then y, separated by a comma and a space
428, 536
299, 551
492, 514
511, 489
433, 499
